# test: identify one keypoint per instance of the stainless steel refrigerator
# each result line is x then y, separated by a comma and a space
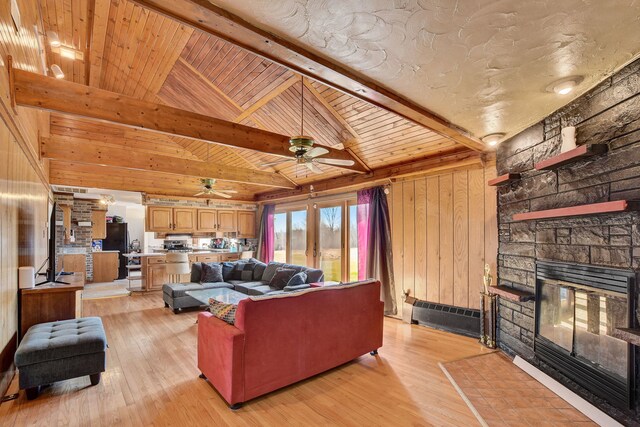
118, 240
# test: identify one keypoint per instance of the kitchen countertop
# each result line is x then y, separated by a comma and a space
105, 252
146, 254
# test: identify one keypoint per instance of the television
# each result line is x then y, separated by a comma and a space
50, 275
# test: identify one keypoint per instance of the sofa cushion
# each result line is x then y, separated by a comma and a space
314, 275
227, 268
247, 271
61, 339
211, 272
245, 286
262, 290
223, 311
297, 279
258, 270
177, 290
281, 278
270, 270
236, 273
196, 272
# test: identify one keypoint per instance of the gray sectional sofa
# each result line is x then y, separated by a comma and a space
255, 283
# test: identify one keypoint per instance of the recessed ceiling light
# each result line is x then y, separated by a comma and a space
492, 139
57, 71
54, 40
564, 86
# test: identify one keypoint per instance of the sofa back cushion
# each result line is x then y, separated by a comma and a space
258, 270
211, 272
227, 269
196, 272
247, 272
314, 275
270, 270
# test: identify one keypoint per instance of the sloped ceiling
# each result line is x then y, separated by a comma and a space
484, 65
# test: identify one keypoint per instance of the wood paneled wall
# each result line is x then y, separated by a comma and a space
24, 191
444, 230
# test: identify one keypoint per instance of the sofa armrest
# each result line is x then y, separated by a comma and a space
296, 287
221, 356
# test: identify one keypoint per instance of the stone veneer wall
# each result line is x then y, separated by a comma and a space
81, 211
610, 113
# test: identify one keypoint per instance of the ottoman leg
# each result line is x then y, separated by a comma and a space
95, 378
33, 392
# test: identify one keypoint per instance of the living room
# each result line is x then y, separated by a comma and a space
319, 213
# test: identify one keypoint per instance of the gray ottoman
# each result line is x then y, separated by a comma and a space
57, 351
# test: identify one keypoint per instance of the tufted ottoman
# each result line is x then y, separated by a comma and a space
57, 351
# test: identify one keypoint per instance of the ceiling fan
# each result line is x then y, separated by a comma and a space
207, 189
304, 153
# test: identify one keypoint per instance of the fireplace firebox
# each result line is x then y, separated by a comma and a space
577, 309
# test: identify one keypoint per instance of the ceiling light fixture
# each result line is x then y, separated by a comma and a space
493, 138
67, 53
53, 38
57, 71
564, 86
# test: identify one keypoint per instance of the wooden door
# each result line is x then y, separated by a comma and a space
184, 220
207, 220
227, 221
159, 219
99, 225
246, 224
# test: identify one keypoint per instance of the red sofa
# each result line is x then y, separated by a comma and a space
279, 340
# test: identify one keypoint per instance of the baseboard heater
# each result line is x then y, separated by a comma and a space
463, 321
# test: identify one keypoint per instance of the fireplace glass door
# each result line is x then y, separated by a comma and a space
582, 322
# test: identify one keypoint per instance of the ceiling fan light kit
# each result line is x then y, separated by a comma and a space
208, 190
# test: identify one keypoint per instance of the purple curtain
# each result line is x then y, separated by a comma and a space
375, 259
266, 234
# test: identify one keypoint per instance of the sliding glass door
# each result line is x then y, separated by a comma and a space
290, 229
330, 242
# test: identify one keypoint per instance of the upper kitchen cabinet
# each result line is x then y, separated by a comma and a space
184, 220
246, 224
98, 225
159, 219
207, 220
227, 221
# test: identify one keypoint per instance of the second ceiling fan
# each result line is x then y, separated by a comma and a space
304, 153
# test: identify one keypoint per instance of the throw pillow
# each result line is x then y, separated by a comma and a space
297, 279
196, 272
223, 311
247, 272
211, 272
236, 273
227, 268
281, 278
270, 271
258, 271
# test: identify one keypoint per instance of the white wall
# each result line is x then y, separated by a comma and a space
134, 216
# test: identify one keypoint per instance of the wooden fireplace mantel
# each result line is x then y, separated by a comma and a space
591, 209
511, 293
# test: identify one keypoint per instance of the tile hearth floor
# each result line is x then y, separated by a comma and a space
519, 401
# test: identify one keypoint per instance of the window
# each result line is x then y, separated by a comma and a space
330, 242
280, 237
290, 237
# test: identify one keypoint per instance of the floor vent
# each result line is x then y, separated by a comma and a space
464, 321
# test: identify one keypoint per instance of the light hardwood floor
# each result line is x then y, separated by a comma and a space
152, 379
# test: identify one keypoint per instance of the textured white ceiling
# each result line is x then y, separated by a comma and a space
481, 64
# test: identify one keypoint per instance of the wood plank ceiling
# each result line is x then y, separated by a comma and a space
136, 52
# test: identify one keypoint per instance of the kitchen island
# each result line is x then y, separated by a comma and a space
153, 270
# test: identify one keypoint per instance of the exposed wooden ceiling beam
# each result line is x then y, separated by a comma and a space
455, 159
34, 90
60, 148
205, 16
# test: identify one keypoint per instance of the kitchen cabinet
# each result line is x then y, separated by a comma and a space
105, 266
207, 220
184, 220
98, 225
159, 219
246, 224
73, 263
227, 221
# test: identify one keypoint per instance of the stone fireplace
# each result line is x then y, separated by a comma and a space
565, 316
578, 309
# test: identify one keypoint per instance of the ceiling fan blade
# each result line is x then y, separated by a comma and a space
199, 194
217, 193
313, 168
277, 162
227, 191
335, 162
316, 151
